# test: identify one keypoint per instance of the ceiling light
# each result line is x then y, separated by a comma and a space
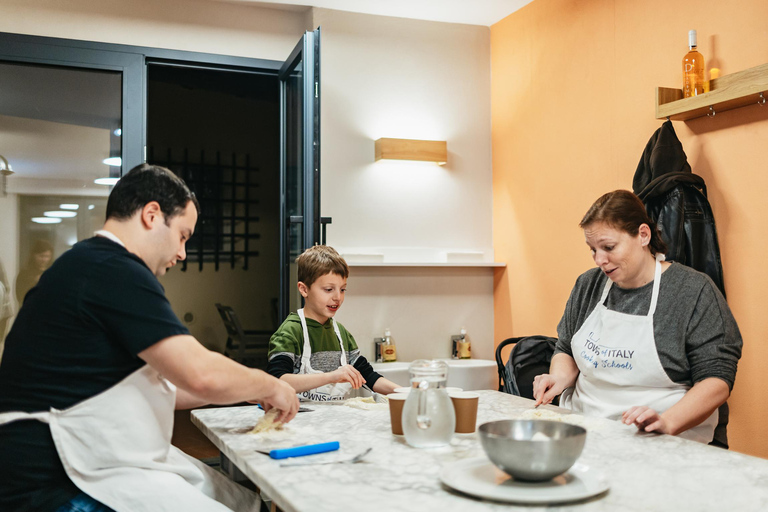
68, 206
106, 181
114, 161
118, 132
46, 220
60, 214
91, 207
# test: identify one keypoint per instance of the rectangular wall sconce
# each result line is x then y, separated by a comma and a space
409, 149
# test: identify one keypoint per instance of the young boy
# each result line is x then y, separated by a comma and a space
310, 350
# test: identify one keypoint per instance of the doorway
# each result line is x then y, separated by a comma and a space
244, 132
219, 130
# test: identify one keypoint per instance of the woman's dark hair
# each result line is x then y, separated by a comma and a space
623, 210
146, 183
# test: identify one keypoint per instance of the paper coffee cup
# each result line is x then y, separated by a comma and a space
465, 406
396, 402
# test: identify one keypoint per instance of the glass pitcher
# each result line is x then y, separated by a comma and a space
428, 417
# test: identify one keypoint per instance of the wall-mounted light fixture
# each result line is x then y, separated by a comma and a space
5, 171
410, 149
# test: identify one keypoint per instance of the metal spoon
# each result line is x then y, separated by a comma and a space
357, 458
376, 397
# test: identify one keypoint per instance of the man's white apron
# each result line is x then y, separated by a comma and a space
620, 367
328, 392
116, 447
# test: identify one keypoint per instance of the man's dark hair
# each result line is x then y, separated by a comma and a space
146, 183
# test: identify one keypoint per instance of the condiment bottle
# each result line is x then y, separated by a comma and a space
388, 349
464, 347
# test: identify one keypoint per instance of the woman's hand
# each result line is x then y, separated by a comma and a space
562, 374
347, 373
645, 419
694, 407
545, 389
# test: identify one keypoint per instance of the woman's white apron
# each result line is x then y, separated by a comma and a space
619, 366
116, 447
328, 392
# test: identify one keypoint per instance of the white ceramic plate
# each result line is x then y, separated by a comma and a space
479, 477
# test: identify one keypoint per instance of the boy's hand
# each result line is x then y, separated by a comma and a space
347, 373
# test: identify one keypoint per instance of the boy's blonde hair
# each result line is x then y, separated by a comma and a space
318, 261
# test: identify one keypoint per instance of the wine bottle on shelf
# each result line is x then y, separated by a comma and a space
693, 69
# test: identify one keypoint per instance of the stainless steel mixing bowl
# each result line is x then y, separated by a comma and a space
532, 450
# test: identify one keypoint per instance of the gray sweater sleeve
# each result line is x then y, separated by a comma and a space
696, 335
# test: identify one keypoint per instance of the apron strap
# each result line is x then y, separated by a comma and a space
656, 283
341, 343
654, 293
10, 417
306, 352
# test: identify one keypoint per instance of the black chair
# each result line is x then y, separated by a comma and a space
249, 348
530, 356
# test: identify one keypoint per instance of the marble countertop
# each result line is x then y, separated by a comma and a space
645, 472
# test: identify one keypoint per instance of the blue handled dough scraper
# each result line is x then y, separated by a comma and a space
300, 451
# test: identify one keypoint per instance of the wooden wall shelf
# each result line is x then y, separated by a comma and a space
727, 92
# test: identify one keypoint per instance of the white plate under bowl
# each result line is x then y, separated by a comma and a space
479, 477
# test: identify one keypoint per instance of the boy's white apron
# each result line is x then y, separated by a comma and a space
116, 447
328, 392
620, 367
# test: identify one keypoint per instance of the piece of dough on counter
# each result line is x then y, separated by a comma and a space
366, 403
542, 414
268, 423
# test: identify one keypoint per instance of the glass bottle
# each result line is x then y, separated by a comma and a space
388, 349
693, 69
464, 349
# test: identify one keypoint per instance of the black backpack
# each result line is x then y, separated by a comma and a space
530, 356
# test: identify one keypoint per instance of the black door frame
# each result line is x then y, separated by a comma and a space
133, 62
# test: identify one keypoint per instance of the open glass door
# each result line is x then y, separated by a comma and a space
299, 162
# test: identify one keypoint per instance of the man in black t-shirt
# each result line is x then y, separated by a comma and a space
98, 334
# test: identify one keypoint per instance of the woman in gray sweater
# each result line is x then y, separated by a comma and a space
642, 340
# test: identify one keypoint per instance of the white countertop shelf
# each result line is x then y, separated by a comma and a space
489, 264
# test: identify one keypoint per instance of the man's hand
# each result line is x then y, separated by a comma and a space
283, 399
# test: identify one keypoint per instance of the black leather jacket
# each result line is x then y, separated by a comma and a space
676, 199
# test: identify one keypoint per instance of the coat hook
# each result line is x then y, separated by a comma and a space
761, 100
711, 112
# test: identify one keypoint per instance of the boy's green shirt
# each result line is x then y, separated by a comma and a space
288, 340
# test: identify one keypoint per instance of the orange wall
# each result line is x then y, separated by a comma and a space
572, 97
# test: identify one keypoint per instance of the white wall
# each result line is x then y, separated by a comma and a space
401, 78
380, 77
422, 307
9, 207
410, 79
207, 26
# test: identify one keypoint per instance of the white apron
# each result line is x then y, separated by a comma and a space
116, 447
328, 392
620, 367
